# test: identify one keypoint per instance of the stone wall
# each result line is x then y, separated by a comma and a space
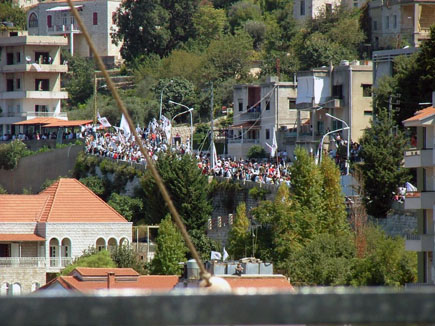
32, 171
26, 277
399, 222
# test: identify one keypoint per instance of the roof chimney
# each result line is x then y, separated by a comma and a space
110, 280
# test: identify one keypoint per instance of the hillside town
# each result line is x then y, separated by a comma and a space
163, 148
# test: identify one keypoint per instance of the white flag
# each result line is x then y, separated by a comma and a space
125, 127
104, 122
274, 145
215, 255
225, 255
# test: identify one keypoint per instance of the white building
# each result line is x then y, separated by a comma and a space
30, 74
55, 18
308, 9
259, 112
422, 158
41, 234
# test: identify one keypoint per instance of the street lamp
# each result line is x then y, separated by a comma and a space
323, 138
191, 120
161, 99
348, 140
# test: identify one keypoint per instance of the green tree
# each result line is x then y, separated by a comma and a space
11, 153
209, 23
256, 151
382, 170
125, 256
79, 82
14, 14
187, 187
92, 259
95, 183
335, 218
385, 261
129, 207
241, 12
170, 251
239, 235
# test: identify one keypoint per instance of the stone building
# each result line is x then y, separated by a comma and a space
41, 234
30, 74
55, 18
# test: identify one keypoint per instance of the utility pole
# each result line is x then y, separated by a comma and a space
211, 128
95, 98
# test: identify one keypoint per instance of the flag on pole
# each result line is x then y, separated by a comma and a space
215, 255
274, 145
125, 127
215, 158
104, 122
225, 255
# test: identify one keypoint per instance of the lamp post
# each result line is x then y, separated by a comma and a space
191, 120
323, 138
161, 99
348, 140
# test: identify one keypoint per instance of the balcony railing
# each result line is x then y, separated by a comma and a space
244, 141
420, 200
22, 262
31, 115
60, 262
415, 158
249, 116
63, 28
419, 242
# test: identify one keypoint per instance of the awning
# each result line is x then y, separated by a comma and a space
64, 8
68, 123
245, 125
37, 121
20, 237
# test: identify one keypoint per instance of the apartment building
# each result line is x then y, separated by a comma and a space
41, 234
396, 23
259, 112
55, 18
334, 97
307, 9
422, 158
30, 74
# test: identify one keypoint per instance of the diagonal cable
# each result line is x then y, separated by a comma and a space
204, 274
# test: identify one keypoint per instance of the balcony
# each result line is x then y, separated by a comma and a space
419, 158
420, 200
243, 141
34, 68
334, 103
250, 116
16, 95
22, 262
63, 29
419, 242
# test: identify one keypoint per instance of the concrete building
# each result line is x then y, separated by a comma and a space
30, 74
55, 18
343, 92
259, 112
41, 234
396, 23
307, 9
422, 158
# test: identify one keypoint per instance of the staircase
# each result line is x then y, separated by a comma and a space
120, 81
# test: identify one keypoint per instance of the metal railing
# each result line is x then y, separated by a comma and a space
244, 140
308, 306
22, 261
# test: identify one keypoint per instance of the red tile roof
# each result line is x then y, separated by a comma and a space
276, 282
135, 281
67, 200
37, 121
20, 237
420, 115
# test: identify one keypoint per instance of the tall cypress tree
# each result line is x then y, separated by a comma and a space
171, 249
382, 170
239, 235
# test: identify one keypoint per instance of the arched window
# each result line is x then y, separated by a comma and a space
101, 244
16, 289
112, 244
123, 242
66, 252
54, 252
4, 290
35, 286
33, 20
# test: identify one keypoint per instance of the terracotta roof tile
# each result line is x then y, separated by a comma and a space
67, 200
20, 237
22, 208
90, 271
420, 115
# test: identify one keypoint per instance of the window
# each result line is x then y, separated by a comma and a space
18, 83
41, 84
302, 9
114, 18
267, 133
18, 55
368, 112
33, 20
336, 124
43, 108
328, 8
9, 85
240, 105
375, 25
9, 58
387, 22
367, 90
49, 24
268, 104
337, 91
355, 4
95, 18
292, 104
394, 21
